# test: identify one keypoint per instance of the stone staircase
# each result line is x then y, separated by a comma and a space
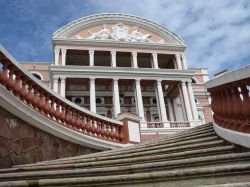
195, 157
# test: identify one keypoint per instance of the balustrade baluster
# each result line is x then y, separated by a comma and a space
93, 129
78, 121
58, 113
63, 112
103, 131
41, 104
10, 81
108, 132
47, 104
29, 96
4, 74
17, 86
245, 103
73, 119
52, 110
68, 116
88, 124
83, 124
23, 91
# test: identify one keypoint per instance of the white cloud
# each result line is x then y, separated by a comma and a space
217, 32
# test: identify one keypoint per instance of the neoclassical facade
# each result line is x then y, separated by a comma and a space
116, 63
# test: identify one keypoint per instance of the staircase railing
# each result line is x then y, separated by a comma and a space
230, 100
33, 93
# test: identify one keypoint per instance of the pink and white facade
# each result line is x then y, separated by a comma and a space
116, 63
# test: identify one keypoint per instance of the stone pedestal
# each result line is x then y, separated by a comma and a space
131, 127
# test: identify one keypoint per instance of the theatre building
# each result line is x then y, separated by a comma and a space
116, 63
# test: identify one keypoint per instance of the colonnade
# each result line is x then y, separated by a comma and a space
185, 88
180, 59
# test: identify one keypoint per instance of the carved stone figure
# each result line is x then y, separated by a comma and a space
120, 32
103, 34
137, 36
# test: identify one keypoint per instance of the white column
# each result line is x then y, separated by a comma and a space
91, 57
55, 84
170, 109
92, 94
139, 101
155, 60
64, 51
134, 59
186, 100
178, 61
57, 51
184, 61
116, 98
193, 104
62, 92
162, 107
113, 58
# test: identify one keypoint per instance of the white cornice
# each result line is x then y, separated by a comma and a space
107, 43
114, 18
122, 73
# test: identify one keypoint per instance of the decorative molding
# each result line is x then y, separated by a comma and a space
120, 32
172, 49
101, 19
121, 73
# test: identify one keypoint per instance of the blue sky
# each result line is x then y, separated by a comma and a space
217, 32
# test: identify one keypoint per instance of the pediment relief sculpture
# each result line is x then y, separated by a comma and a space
119, 32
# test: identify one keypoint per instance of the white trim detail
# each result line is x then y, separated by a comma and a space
114, 18
239, 138
134, 131
231, 76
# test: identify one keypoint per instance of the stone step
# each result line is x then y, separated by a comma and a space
176, 177
136, 153
134, 168
119, 162
242, 184
131, 150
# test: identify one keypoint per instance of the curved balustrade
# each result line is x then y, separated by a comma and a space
231, 101
32, 93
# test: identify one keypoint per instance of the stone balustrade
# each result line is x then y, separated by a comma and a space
32, 93
172, 124
230, 100
179, 124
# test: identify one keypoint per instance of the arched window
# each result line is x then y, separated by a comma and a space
37, 76
194, 81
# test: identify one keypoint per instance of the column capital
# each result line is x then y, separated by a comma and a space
154, 55
63, 79
91, 51
134, 53
178, 55
115, 80
92, 80
137, 81
113, 52
64, 50
158, 81
189, 82
57, 50
55, 77
183, 82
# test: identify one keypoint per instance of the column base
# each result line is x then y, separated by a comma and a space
195, 123
143, 124
166, 124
